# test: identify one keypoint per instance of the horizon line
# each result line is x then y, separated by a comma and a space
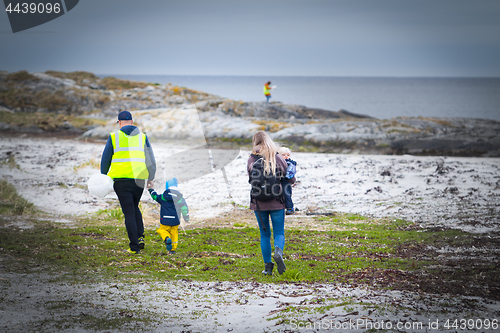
315, 76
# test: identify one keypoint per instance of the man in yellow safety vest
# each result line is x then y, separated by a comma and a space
128, 158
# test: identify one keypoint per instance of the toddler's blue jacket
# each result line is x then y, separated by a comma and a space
173, 205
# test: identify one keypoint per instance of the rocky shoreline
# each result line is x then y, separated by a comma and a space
85, 95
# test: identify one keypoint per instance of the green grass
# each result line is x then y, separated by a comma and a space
354, 244
356, 250
21, 76
78, 76
118, 84
46, 121
11, 203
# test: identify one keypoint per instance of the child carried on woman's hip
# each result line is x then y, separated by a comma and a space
291, 170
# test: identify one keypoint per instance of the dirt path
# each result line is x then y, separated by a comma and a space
34, 302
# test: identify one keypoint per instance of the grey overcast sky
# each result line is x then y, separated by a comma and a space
253, 37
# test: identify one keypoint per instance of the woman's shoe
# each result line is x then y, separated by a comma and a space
268, 270
278, 257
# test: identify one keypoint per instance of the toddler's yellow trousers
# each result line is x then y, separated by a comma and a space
171, 232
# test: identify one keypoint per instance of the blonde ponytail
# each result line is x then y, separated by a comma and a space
264, 146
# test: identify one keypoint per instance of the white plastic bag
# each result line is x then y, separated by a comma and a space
100, 185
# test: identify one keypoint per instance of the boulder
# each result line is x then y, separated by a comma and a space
4, 109
55, 80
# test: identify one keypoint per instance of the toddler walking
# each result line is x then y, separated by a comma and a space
173, 205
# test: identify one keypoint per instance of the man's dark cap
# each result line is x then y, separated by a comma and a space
124, 115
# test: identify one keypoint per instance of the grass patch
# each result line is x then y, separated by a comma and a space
357, 250
46, 121
23, 97
113, 83
93, 162
80, 77
441, 122
12, 203
271, 125
21, 76
10, 161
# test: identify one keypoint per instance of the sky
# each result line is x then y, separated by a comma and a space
391, 38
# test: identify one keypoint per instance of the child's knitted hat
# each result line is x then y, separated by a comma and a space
171, 183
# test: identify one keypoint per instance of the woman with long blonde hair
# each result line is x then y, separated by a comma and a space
271, 209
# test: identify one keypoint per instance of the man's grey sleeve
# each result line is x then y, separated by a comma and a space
150, 160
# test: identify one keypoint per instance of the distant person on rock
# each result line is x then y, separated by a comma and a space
128, 158
265, 169
267, 90
291, 170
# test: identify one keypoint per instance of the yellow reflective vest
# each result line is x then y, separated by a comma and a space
267, 90
129, 159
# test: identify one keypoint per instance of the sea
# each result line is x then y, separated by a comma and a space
378, 97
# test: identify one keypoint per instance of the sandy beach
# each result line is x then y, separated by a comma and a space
454, 192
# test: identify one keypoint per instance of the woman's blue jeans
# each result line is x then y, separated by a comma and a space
278, 221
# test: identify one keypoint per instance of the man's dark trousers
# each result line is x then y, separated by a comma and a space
129, 194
